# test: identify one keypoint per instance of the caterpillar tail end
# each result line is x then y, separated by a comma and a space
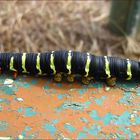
71, 78
111, 81
58, 77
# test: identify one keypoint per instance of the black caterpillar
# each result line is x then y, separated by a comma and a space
70, 63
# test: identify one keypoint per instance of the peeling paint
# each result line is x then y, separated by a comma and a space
74, 105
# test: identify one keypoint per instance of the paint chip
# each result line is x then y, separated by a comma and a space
8, 82
19, 99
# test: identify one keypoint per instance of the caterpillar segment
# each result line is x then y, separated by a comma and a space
86, 79
70, 77
129, 73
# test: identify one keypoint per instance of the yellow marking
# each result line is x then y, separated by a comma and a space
12, 64
129, 70
38, 64
52, 66
107, 69
87, 64
69, 62
23, 63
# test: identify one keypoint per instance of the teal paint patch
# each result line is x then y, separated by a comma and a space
124, 119
126, 98
28, 128
28, 112
82, 135
3, 100
137, 119
54, 121
61, 96
34, 82
127, 131
69, 127
93, 130
109, 118
73, 105
8, 90
50, 128
97, 85
24, 132
126, 84
58, 84
3, 125
99, 101
94, 115
82, 91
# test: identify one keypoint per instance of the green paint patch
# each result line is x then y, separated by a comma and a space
3, 125
50, 128
74, 105
69, 127
28, 112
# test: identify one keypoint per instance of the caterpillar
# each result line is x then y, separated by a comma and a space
70, 63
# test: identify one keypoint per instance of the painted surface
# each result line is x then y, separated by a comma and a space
33, 108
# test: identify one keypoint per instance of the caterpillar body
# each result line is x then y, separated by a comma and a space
70, 63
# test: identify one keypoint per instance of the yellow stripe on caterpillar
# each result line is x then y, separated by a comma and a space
129, 74
69, 62
52, 66
23, 63
12, 64
38, 64
107, 69
87, 65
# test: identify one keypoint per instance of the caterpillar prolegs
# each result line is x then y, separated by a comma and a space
70, 63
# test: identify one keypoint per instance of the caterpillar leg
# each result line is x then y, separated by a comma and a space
58, 77
86, 80
111, 81
70, 78
15, 73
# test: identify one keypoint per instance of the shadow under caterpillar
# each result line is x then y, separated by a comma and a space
70, 63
